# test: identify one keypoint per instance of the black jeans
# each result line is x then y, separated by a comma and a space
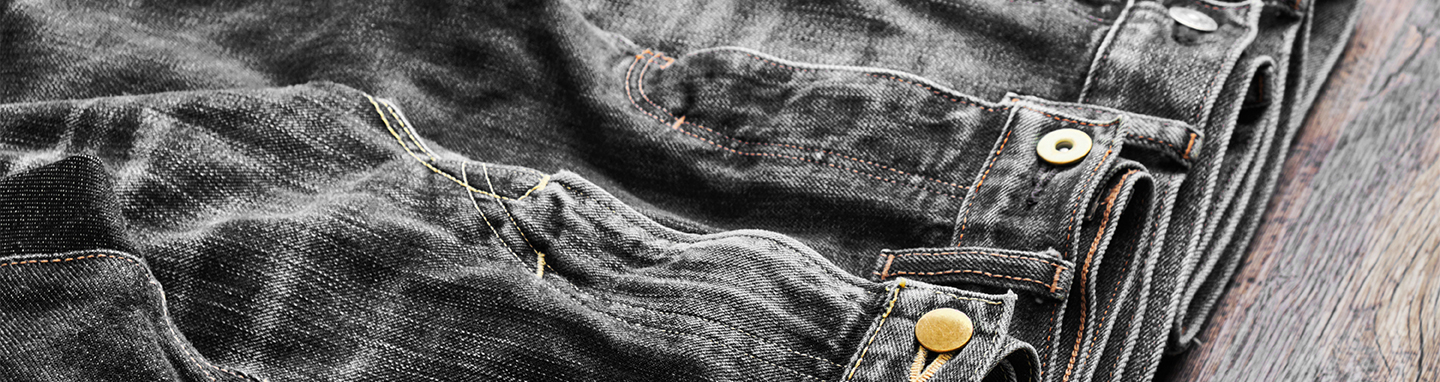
606, 190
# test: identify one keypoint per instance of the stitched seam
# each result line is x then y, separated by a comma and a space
979, 253
1049, 333
1094, 246
1154, 230
464, 175
989, 302
975, 194
923, 86
517, 257
1172, 147
617, 318
952, 271
617, 214
1074, 210
1062, 119
1188, 146
544, 178
881, 325
641, 87
676, 127
539, 256
169, 325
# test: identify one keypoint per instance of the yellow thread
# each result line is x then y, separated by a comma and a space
934, 367
544, 178
888, 308
918, 364
539, 256
464, 175
407, 129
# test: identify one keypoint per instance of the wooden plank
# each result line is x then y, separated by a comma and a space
1343, 280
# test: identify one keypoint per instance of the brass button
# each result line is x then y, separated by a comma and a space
1064, 146
942, 330
1194, 19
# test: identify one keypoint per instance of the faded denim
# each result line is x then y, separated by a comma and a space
615, 190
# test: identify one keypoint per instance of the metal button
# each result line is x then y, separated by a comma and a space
1064, 146
1194, 19
942, 330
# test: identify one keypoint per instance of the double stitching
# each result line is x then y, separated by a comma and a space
1053, 285
544, 178
894, 295
953, 271
1094, 246
170, 326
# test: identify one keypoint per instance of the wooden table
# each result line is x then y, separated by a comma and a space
1343, 279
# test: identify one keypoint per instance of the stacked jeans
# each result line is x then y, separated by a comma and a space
623, 190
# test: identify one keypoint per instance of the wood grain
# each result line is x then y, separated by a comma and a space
1342, 281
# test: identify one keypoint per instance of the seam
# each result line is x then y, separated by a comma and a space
1094, 246
1183, 155
676, 127
464, 175
640, 85
895, 295
1049, 333
166, 315
544, 178
832, 273
1046, 262
953, 271
1155, 228
886, 271
988, 302
1188, 146
747, 334
923, 86
1069, 229
975, 193
1055, 281
1062, 119
539, 256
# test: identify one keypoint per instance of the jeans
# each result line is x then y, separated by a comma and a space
614, 190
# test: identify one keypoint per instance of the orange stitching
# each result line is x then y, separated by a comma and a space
891, 306
886, 271
169, 326
1049, 332
1155, 228
1076, 209
1094, 245
980, 253
738, 152
976, 190
1055, 281
1186, 154
643, 95
901, 273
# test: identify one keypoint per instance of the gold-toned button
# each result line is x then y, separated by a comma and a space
1064, 146
942, 330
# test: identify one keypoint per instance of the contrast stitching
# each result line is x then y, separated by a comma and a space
1074, 210
577, 289
544, 178
886, 271
539, 256
681, 120
734, 151
168, 326
1154, 230
408, 131
1094, 245
895, 295
464, 175
975, 194
1062, 119
952, 271
979, 253
1049, 333
1186, 154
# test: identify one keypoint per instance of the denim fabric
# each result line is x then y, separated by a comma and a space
632, 190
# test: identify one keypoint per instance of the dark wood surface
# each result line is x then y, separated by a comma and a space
1342, 282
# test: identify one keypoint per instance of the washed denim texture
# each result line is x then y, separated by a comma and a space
614, 190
